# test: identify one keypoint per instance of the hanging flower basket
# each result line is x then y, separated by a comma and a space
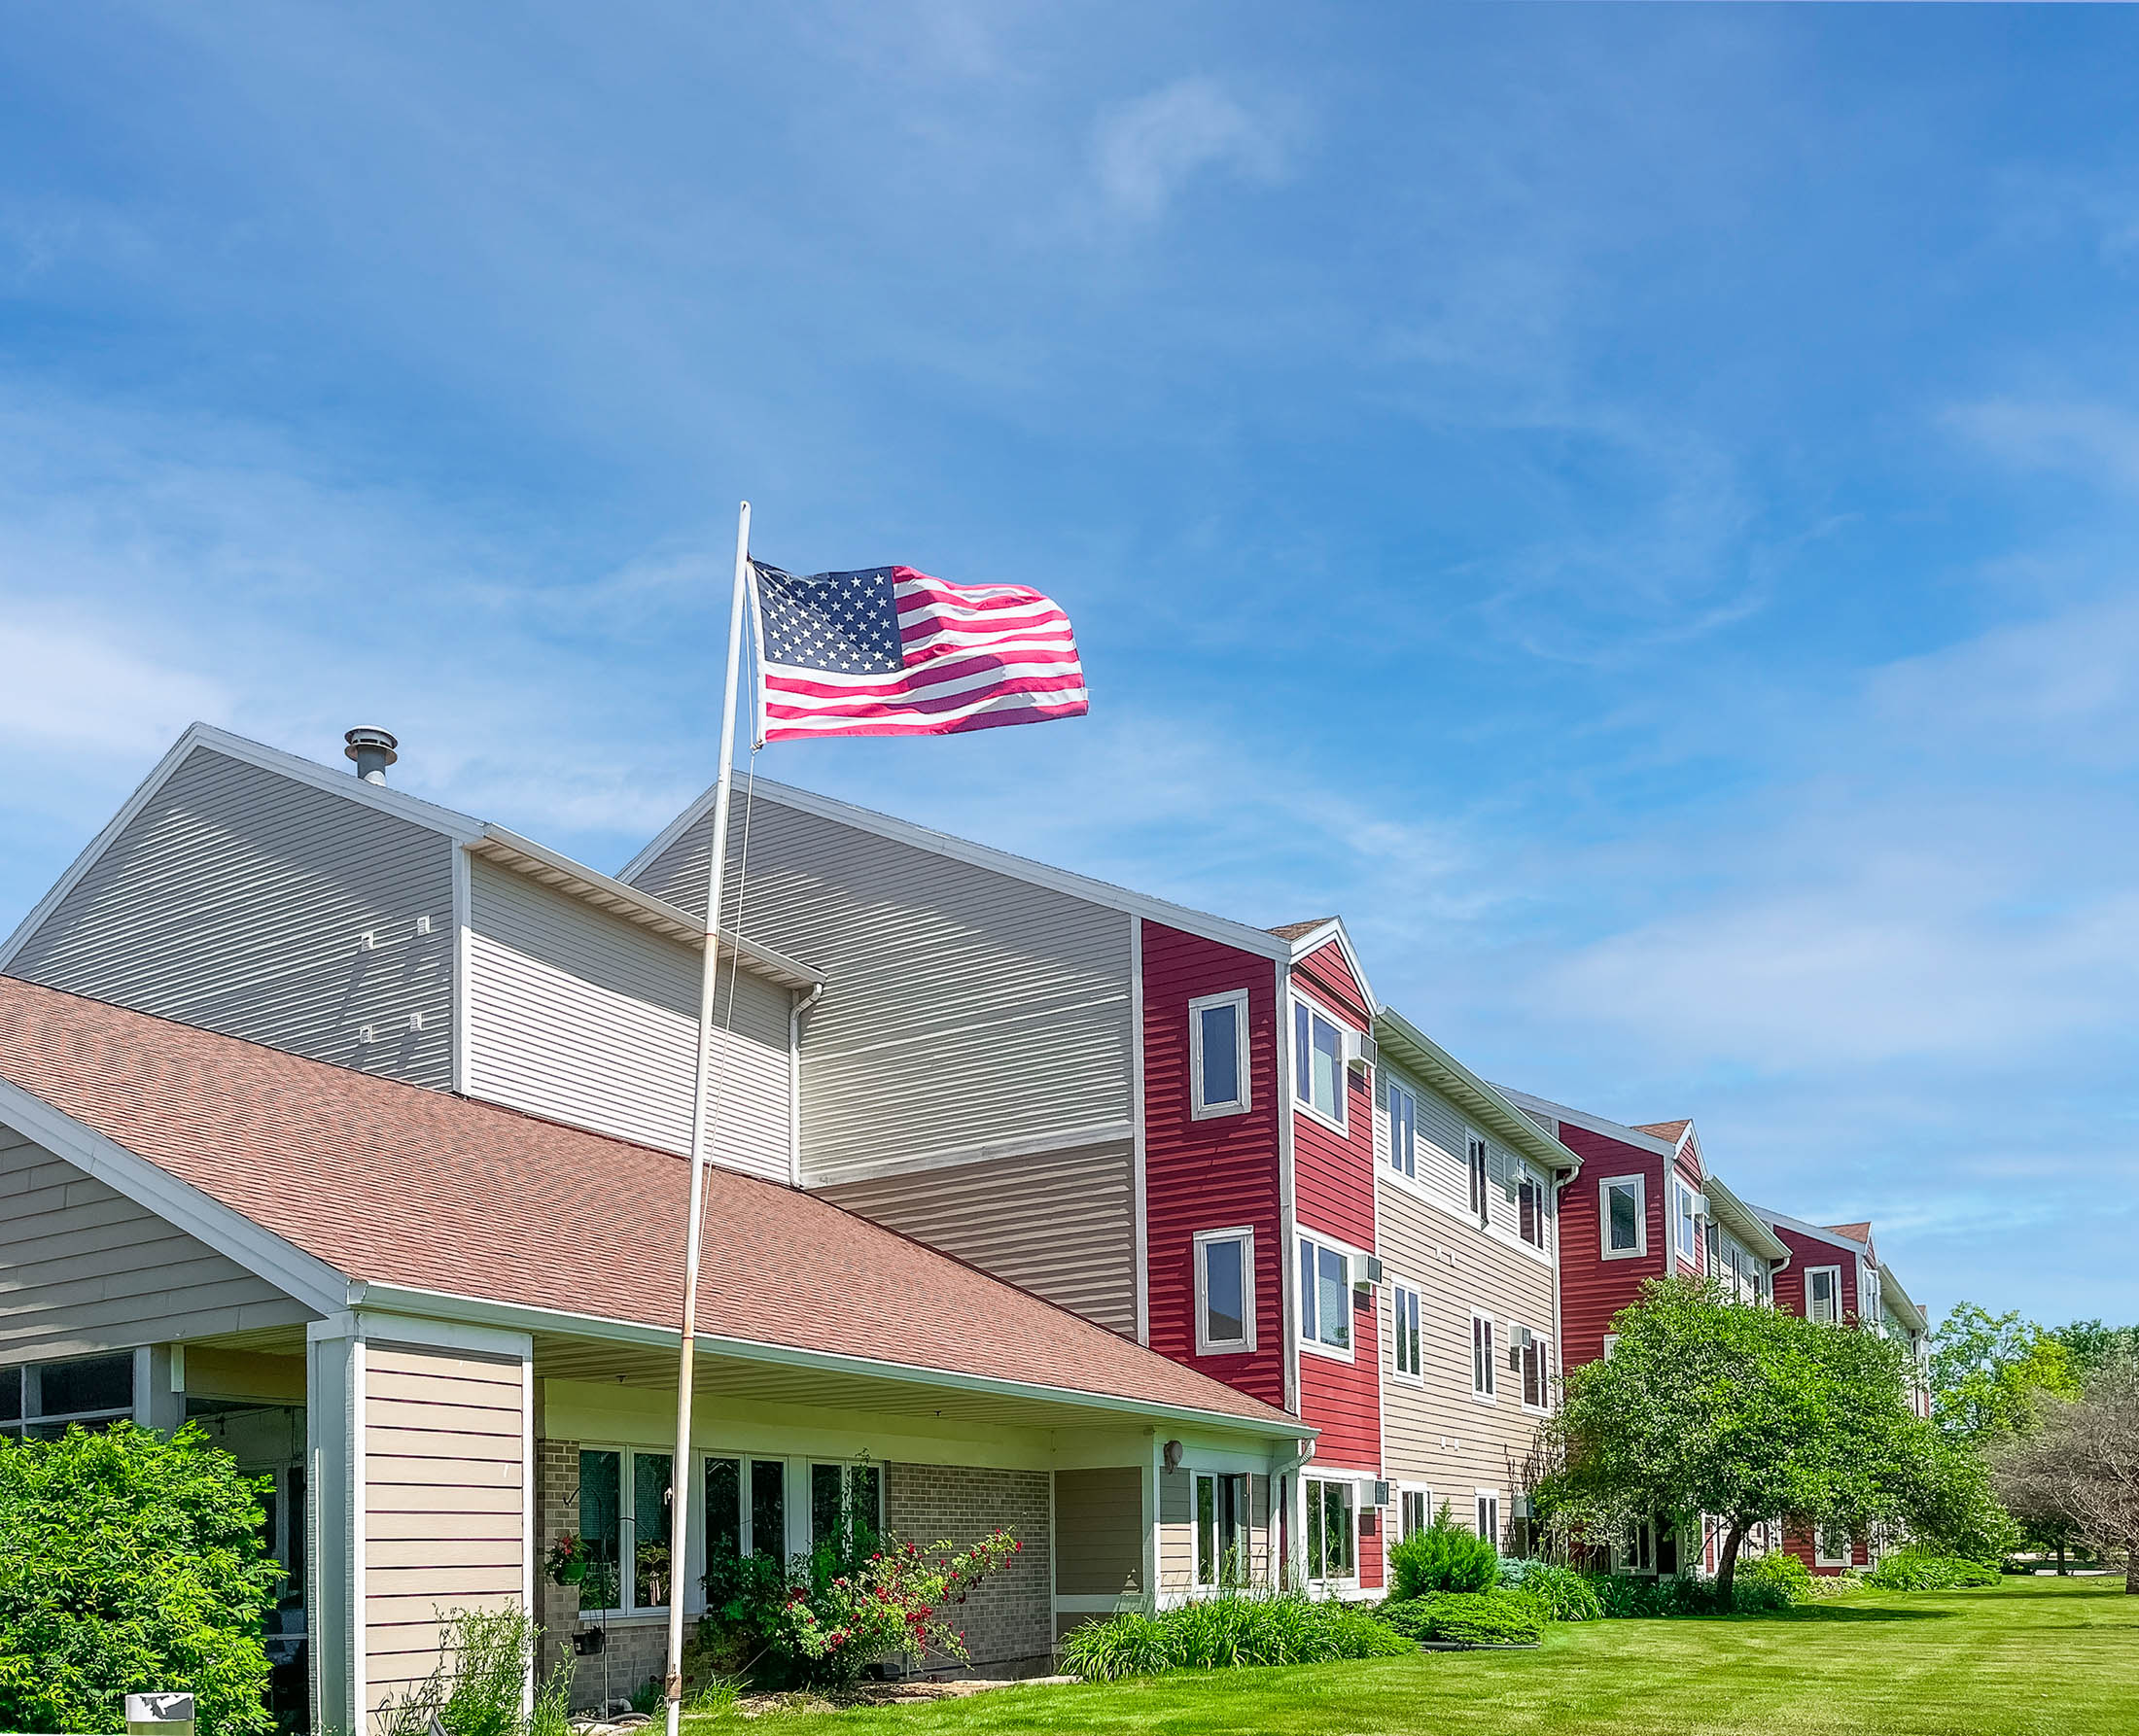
566, 1562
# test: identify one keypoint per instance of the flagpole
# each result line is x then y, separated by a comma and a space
680, 1470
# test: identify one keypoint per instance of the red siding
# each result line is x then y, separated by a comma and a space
1809, 1251
1592, 1288
1209, 1174
1328, 971
1333, 1191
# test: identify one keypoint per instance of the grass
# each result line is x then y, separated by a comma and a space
2030, 1657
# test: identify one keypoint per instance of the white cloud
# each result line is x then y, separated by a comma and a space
73, 691
2095, 440
1150, 150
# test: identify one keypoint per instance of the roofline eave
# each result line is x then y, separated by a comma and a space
1479, 1095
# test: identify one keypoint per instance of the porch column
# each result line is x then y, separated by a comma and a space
332, 1383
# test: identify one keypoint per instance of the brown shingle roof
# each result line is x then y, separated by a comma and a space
1300, 930
394, 1183
1854, 1231
1664, 1130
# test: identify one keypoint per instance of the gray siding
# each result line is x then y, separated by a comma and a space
964, 1007
1098, 1517
1061, 1225
239, 901
590, 1019
84, 1268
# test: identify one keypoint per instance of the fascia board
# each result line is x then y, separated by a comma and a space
1497, 1108
1818, 1234
1595, 1124
445, 1304
594, 886
1334, 929
1242, 936
147, 1184
1890, 1285
1746, 1223
446, 820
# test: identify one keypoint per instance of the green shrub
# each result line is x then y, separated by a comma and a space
1561, 1593
1914, 1569
1496, 1618
1223, 1633
1623, 1596
128, 1563
484, 1657
1443, 1558
1777, 1573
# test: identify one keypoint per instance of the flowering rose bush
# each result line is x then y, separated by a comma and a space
898, 1600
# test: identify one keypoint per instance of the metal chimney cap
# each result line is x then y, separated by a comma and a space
366, 740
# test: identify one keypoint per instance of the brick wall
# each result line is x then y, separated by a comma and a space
633, 1650
1009, 1621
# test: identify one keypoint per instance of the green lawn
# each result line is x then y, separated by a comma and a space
2033, 1655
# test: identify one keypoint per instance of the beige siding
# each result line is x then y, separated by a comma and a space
84, 1268
1099, 1529
963, 1007
1443, 1145
589, 1019
1177, 1532
444, 1525
1435, 1432
239, 899
1061, 1225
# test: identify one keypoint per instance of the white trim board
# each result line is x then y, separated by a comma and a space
1595, 1124
1315, 939
1242, 936
179, 1203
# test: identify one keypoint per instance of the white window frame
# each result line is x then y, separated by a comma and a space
1489, 1393
1611, 1346
1206, 1344
627, 1525
1415, 1376
31, 1414
1352, 1257
1685, 1224
1640, 1186
1405, 1492
1485, 1514
794, 1502
1820, 1556
1538, 1348
1406, 1163
1478, 1176
1215, 1585
1527, 1175
1200, 1108
1311, 1489
1303, 1057
1834, 1294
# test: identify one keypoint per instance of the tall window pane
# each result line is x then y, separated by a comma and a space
1334, 1300
1316, 1556
1225, 1291
1310, 1321
650, 1579
1403, 1130
11, 1395
1328, 1067
1221, 1055
865, 1497
1303, 1064
601, 1515
724, 1509
769, 1509
826, 1499
1207, 1531
1625, 1223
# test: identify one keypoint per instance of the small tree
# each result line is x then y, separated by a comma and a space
1989, 1372
1743, 1414
129, 1563
2081, 1466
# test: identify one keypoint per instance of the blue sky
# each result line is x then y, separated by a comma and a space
1633, 508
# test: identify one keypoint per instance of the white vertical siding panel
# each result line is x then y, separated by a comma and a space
84, 1268
1061, 1225
962, 1005
238, 900
589, 1019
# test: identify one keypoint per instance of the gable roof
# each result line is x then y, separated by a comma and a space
1672, 1130
1854, 1231
408, 1189
1309, 938
1301, 930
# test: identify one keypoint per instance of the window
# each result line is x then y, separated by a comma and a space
1325, 1297
1319, 1062
1217, 1054
845, 1499
1622, 1205
1332, 1533
1414, 1512
1639, 1554
1713, 1246
1482, 1369
1534, 1207
1221, 1528
1474, 1161
1611, 1345
1488, 1515
1531, 1349
746, 1510
1688, 1231
1225, 1291
1823, 1294
1403, 1131
44, 1401
1835, 1546
1404, 1311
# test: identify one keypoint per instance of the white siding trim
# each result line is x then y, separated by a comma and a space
527, 1518
1142, 1224
464, 923
228, 1231
359, 1611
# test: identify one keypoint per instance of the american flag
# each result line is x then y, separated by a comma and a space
889, 651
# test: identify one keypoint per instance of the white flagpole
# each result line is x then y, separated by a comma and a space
680, 1472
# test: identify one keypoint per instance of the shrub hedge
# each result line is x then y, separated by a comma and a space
1443, 1558
1231, 1632
1915, 1570
1561, 1593
1496, 1618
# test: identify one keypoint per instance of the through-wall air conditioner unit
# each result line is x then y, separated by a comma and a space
1380, 1492
1700, 1206
1370, 1273
1525, 1338
1360, 1050
1524, 1507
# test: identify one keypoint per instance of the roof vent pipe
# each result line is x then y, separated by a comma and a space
373, 751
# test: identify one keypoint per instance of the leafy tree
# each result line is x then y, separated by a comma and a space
2081, 1466
2093, 1346
130, 1562
1743, 1414
1989, 1371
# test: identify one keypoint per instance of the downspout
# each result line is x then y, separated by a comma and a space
800, 1005
1283, 1472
